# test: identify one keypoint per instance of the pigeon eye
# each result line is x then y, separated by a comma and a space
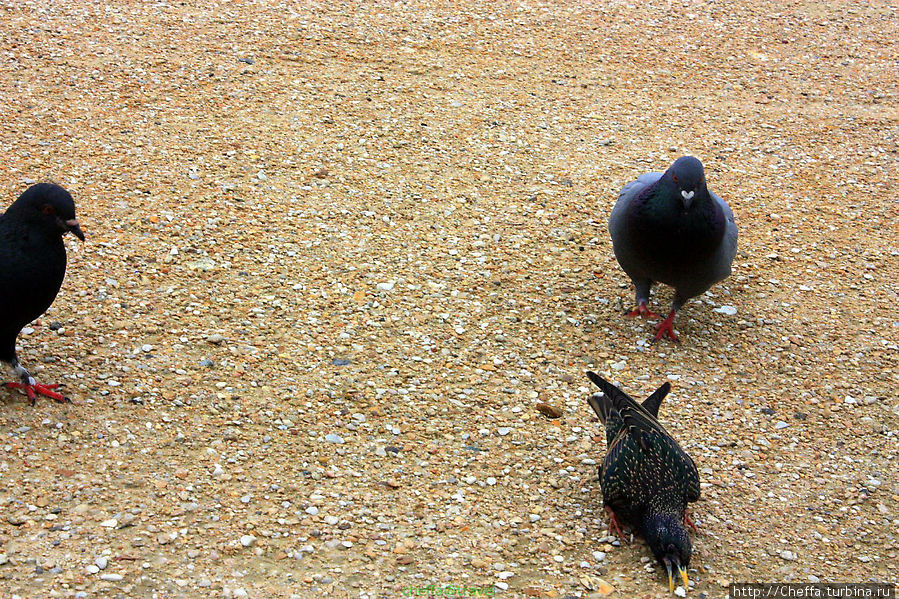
48, 209
674, 177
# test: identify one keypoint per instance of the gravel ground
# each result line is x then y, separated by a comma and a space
339, 252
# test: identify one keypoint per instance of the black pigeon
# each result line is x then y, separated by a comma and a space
32, 266
669, 228
647, 479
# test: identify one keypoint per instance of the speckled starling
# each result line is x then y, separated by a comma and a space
647, 479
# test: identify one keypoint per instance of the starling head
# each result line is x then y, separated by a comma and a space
670, 543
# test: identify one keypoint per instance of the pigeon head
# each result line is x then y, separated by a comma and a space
670, 543
48, 207
688, 176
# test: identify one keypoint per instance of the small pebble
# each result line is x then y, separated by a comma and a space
788, 555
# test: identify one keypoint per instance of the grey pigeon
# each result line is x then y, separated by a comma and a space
669, 228
32, 266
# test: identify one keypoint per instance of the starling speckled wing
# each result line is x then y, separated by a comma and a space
647, 479
669, 228
32, 267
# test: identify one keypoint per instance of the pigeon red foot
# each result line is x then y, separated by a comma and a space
642, 310
35, 389
666, 327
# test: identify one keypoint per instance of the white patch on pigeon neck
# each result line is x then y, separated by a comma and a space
688, 195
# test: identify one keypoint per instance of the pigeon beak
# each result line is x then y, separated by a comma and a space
688, 198
72, 225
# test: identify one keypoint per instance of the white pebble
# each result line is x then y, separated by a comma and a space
312, 510
728, 310
92, 569
491, 481
102, 562
331, 520
247, 540
788, 555
111, 523
111, 577
680, 592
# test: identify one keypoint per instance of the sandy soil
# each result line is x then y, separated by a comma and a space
339, 252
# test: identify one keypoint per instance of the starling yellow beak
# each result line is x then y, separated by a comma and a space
680, 570
683, 576
670, 577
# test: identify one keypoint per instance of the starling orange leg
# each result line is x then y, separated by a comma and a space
642, 310
33, 390
666, 327
614, 525
689, 522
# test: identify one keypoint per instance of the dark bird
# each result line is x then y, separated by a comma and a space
669, 228
647, 479
32, 267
